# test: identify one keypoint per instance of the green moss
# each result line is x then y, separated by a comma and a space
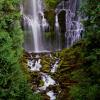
51, 4
41, 83
50, 15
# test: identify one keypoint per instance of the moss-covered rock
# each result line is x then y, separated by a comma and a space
51, 4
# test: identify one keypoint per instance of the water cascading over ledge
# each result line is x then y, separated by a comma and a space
71, 30
35, 25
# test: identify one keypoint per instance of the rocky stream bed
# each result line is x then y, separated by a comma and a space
43, 67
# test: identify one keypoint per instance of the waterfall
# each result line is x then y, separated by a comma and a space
58, 34
36, 26
74, 27
34, 23
45, 24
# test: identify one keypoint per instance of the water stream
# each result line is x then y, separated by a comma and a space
51, 95
34, 24
35, 66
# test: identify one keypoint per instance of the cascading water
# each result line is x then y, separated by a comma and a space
58, 34
74, 27
34, 23
45, 25
34, 64
36, 26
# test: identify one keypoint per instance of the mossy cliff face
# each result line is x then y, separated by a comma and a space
50, 16
51, 4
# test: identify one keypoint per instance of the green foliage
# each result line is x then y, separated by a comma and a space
37, 97
51, 3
